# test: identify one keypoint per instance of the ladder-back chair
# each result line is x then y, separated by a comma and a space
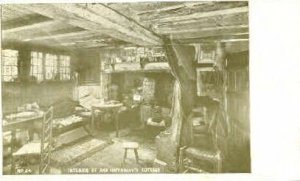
41, 148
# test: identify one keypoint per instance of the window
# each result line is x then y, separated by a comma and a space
64, 67
9, 65
49, 66
36, 70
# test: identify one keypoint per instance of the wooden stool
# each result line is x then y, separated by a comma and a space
131, 145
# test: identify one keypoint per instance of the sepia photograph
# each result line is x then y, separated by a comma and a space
125, 88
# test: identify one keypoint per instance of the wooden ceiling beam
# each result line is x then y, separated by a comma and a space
112, 19
96, 38
222, 38
80, 40
225, 20
30, 27
83, 44
59, 36
86, 18
192, 30
200, 15
173, 7
24, 20
203, 34
234, 47
61, 15
190, 8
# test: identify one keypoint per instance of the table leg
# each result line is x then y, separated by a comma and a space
116, 119
93, 119
136, 155
125, 155
12, 145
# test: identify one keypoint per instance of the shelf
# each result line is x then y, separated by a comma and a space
136, 67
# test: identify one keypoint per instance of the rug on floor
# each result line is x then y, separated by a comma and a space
74, 153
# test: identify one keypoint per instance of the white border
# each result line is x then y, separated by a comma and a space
275, 97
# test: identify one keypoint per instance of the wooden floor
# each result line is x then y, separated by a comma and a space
110, 159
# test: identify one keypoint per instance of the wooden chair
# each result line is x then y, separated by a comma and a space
214, 156
41, 148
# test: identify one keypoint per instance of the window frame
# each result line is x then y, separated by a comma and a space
40, 67
16, 79
57, 69
60, 66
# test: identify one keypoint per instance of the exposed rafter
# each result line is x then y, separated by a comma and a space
110, 18
203, 15
201, 34
205, 29
59, 36
215, 21
87, 18
31, 26
84, 44
220, 38
63, 25
170, 8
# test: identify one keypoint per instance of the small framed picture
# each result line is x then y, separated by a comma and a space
205, 53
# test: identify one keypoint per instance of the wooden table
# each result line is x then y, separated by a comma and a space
20, 123
112, 108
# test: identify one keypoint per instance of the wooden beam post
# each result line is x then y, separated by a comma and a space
181, 61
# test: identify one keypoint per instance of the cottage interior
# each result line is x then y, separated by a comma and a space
128, 86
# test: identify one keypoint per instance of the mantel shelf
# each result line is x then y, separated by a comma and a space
136, 67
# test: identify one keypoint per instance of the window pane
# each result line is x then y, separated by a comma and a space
37, 65
9, 53
62, 62
14, 70
34, 70
33, 61
40, 69
33, 54
64, 67
39, 77
9, 63
48, 75
6, 70
6, 78
50, 66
